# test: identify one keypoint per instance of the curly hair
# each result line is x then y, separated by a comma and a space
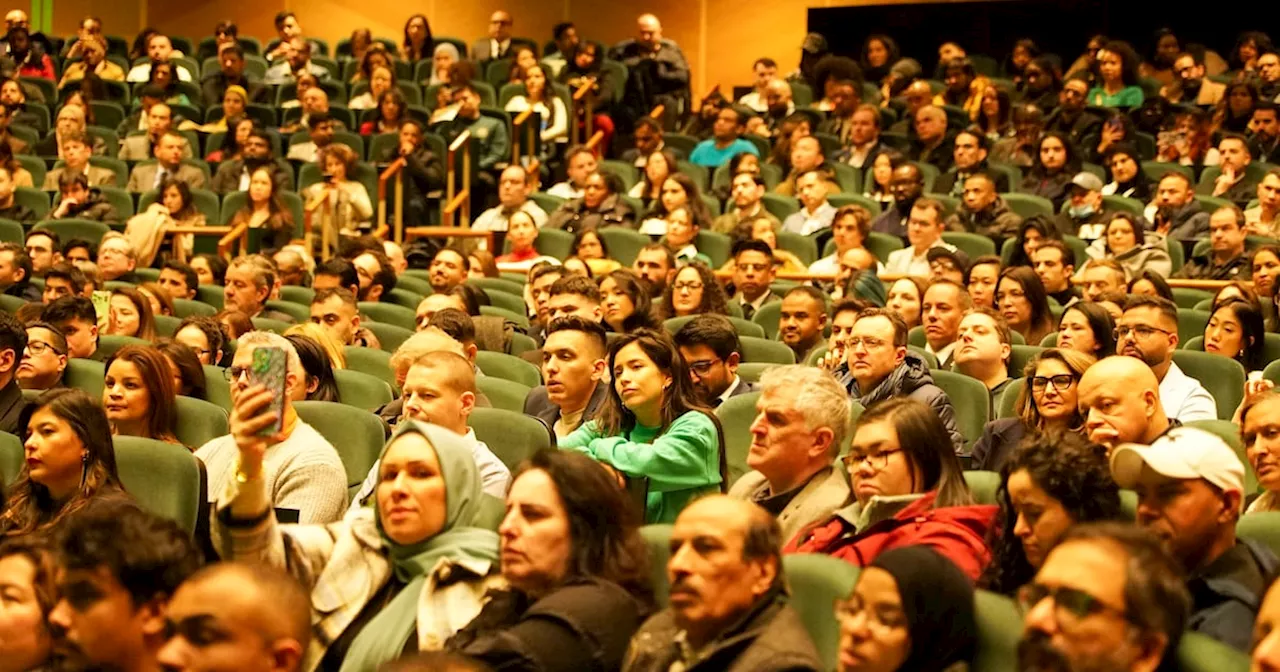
713, 301
1067, 468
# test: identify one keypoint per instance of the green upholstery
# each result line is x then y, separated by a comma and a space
554, 243
1262, 527
376, 363
971, 402
1007, 406
1186, 297
512, 436
357, 435
217, 390
507, 301
212, 295
764, 350
743, 327
780, 206
841, 200
389, 335
983, 485
804, 247
1230, 433
75, 228
1129, 504
1199, 653
930, 359
1191, 323
1221, 376
623, 244
657, 539
12, 459
881, 244
1028, 205
973, 244
268, 324
412, 283
299, 295
521, 344
508, 367
736, 415
167, 325
184, 308
199, 422
752, 371
361, 389
389, 314
301, 313
11, 304
716, 246
11, 232
999, 629
165, 478
492, 511
501, 284
815, 355
816, 582
1177, 255
109, 344
502, 393
85, 374
1020, 356
768, 316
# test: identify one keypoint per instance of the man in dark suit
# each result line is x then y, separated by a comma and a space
13, 341
498, 43
573, 366
709, 343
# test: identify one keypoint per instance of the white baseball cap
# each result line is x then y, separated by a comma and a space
1181, 453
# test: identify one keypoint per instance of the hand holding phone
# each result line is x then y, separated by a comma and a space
257, 417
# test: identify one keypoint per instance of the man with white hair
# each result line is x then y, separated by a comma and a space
660, 70
304, 476
1190, 487
802, 418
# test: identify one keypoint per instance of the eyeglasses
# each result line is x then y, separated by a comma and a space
1140, 331
868, 343
233, 373
1070, 605
1059, 382
703, 367
876, 461
37, 348
687, 286
877, 620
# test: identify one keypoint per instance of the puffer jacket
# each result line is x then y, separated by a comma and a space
574, 216
911, 379
956, 532
1153, 255
1189, 222
997, 223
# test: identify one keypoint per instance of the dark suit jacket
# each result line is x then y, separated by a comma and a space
13, 409
743, 387
482, 50
143, 177
539, 406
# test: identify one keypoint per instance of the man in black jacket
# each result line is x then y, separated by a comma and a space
235, 175
15, 274
231, 62
659, 72
13, 342
423, 170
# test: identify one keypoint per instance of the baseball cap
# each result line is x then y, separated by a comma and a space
1182, 453
960, 259
1087, 180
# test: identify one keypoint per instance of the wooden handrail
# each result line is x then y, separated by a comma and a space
179, 251
458, 199
595, 140
456, 203
657, 111
394, 170
447, 232
588, 84
462, 139
241, 232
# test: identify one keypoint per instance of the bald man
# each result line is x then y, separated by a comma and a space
933, 144
727, 601
262, 617
868, 284
1119, 399
666, 78
498, 43
917, 95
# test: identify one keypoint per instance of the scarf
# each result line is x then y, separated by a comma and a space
938, 600
383, 637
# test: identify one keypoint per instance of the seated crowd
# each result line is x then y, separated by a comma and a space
993, 365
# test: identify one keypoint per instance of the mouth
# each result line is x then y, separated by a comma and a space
866, 488
32, 463
400, 513
1262, 469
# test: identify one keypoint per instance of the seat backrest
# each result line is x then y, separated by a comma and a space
1201, 653
983, 485
389, 314
1191, 323
357, 435
502, 393
736, 414
623, 243
361, 389
999, 630
509, 367
970, 399
1223, 377
513, 437
766, 351
199, 422
816, 583
165, 478
12, 458
1262, 527
188, 307
85, 374
743, 327
217, 389
376, 363
389, 335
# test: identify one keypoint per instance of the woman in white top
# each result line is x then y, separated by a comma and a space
381, 80
348, 199
555, 118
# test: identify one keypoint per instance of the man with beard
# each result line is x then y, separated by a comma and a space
863, 144
728, 600
1264, 130
447, 270
982, 211
1177, 213
377, 277
656, 265
1071, 117
709, 343
906, 185
1107, 598
969, 154
234, 175
778, 106
1023, 149
1148, 331
1191, 86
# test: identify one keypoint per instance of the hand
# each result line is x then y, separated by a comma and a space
1253, 388
249, 416
406, 148
831, 360
1224, 181
64, 207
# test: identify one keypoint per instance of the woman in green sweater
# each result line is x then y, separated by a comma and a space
654, 427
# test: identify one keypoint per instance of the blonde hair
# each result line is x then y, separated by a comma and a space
431, 339
313, 331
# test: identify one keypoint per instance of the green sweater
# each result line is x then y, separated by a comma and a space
681, 463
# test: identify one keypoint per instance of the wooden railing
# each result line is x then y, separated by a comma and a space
458, 199
582, 98
222, 232
594, 143
448, 232
396, 171
523, 123
327, 225
240, 232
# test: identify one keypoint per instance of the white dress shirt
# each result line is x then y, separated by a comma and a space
1184, 398
805, 222
907, 262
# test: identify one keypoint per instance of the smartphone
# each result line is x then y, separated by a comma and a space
101, 303
269, 370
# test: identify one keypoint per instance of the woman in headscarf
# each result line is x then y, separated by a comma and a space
444, 56
911, 610
402, 575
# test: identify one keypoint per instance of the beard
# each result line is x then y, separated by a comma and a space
1037, 654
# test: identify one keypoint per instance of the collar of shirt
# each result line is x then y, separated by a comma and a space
689, 251
728, 392
760, 300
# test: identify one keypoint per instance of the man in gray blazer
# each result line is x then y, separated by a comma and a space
159, 122
148, 176
75, 154
573, 366
803, 420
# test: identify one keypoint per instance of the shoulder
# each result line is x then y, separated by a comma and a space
597, 600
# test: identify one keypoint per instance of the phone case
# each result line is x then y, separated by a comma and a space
269, 370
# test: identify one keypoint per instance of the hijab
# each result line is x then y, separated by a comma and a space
383, 638
443, 47
938, 600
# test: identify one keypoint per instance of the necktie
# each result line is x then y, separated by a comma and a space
748, 310
159, 178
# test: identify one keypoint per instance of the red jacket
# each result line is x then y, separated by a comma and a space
956, 532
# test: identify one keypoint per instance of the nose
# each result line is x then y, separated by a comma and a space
1020, 528
60, 616
855, 626
1267, 653
757, 426
172, 655
1040, 617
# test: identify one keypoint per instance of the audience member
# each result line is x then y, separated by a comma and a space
710, 346
249, 283
1226, 259
10, 208
147, 145
237, 174
573, 371
63, 280
983, 211
924, 231
292, 60
44, 359
694, 290
728, 596
204, 336
80, 201
803, 317
44, 249
76, 318
1233, 182
1148, 331
336, 311
816, 212
448, 270
726, 140
514, 188
1119, 399
138, 394
1177, 213
298, 469
1024, 304
969, 159
1054, 264
15, 273
932, 144
1264, 218
983, 350
159, 50
662, 71
1190, 487
752, 275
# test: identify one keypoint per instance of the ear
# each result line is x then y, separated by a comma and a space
597, 369
767, 572
375, 293
8, 360
62, 364
466, 403
899, 354
822, 319
822, 439
1151, 647
191, 294
1151, 401
1230, 507
355, 322
596, 313
1005, 351
152, 615
286, 654
471, 352
732, 362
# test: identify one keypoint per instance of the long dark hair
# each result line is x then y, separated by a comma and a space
1100, 323
1041, 317
1070, 167
1129, 61
604, 523
638, 291
315, 361
1044, 226
679, 398
1253, 336
697, 209
184, 359
1068, 469
428, 41
156, 377
927, 446
1157, 281
146, 317
30, 507
184, 190
713, 299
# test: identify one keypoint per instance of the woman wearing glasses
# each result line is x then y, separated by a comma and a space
911, 609
1051, 482
695, 291
1047, 403
909, 490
